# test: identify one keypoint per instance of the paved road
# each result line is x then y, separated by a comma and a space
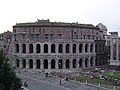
39, 80
35, 84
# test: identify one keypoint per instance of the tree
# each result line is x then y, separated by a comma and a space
8, 78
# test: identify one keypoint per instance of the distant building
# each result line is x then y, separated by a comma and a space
45, 45
5, 39
112, 45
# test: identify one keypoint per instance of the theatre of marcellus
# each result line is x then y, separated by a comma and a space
45, 45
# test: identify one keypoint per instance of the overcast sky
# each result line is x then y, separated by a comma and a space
82, 11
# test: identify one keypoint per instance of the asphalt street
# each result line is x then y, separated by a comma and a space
35, 84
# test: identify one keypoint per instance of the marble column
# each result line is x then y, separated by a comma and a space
117, 49
111, 44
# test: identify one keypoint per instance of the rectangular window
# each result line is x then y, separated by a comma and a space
46, 36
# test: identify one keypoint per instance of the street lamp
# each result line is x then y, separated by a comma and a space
60, 72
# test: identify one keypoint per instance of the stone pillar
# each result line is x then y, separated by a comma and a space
77, 48
20, 48
57, 64
83, 63
27, 64
64, 67
117, 49
94, 48
71, 48
94, 61
83, 48
89, 44
64, 48
27, 48
56, 49
20, 63
89, 62
42, 64
34, 48
111, 44
77, 63
71, 64
42, 48
49, 48
49, 64
34, 64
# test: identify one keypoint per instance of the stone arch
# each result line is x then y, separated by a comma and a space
23, 63
52, 64
91, 48
67, 48
38, 47
38, 64
23, 48
86, 48
17, 48
74, 48
17, 63
45, 48
80, 62
60, 48
30, 48
74, 63
53, 48
86, 62
45, 64
80, 48
91, 62
30, 64
67, 64
60, 64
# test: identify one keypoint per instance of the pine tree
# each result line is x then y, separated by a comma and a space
8, 78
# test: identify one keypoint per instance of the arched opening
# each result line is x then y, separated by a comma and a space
45, 64
67, 48
17, 48
30, 64
17, 63
74, 63
86, 62
60, 64
80, 62
52, 64
24, 63
86, 48
37, 64
53, 48
80, 48
74, 48
91, 48
67, 63
23, 48
38, 48
30, 48
45, 48
91, 62
60, 48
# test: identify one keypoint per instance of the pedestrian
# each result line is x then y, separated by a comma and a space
26, 83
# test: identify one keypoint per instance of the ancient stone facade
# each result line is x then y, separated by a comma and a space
45, 45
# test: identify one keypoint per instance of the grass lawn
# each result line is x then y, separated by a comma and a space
93, 80
112, 74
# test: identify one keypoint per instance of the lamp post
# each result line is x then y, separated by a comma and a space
60, 72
